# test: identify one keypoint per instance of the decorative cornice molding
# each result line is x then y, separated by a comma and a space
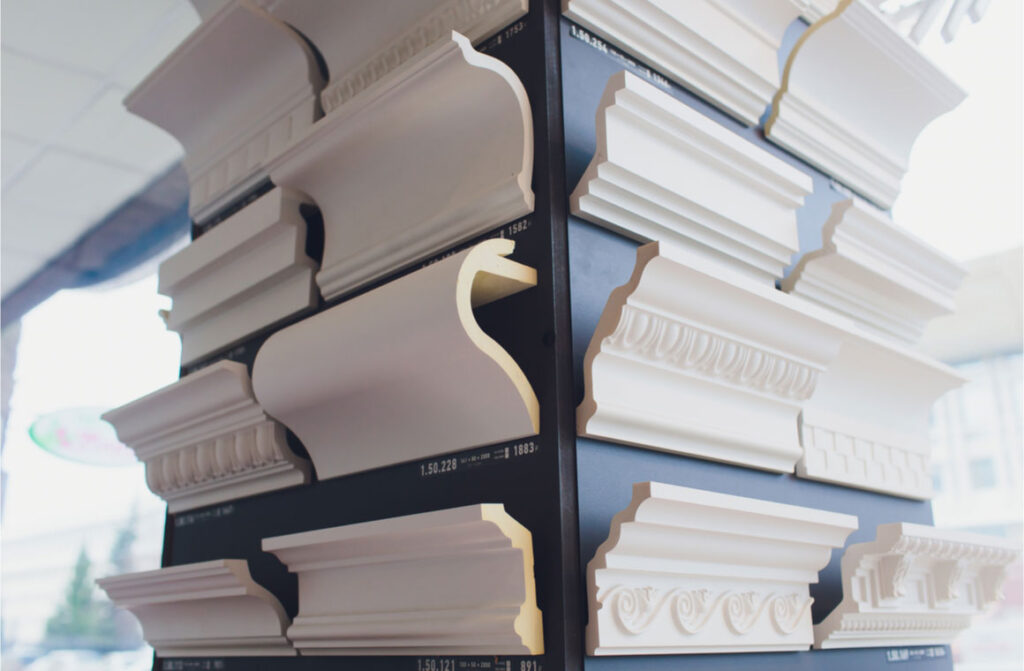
402, 372
449, 582
718, 371
205, 439
663, 172
246, 273
376, 171
209, 609
922, 14
915, 585
689, 571
855, 96
251, 86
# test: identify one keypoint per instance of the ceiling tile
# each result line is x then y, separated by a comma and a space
40, 98
26, 229
159, 43
14, 152
15, 268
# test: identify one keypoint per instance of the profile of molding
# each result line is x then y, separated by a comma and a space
249, 271
725, 51
689, 359
880, 275
690, 571
362, 42
922, 15
855, 95
915, 585
449, 582
210, 609
251, 83
205, 439
664, 172
402, 372
395, 187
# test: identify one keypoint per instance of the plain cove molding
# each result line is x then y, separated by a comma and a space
688, 571
915, 585
663, 172
204, 439
402, 372
395, 187
209, 609
449, 582
855, 95
691, 359
252, 88
248, 272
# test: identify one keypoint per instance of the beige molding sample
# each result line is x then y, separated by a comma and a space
449, 582
402, 372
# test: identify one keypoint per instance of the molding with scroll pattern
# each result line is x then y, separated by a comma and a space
205, 439
915, 585
402, 372
208, 609
690, 571
449, 582
922, 14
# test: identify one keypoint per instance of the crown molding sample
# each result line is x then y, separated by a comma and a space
246, 273
687, 358
855, 96
725, 51
205, 439
209, 609
664, 172
690, 571
250, 83
402, 372
448, 582
395, 187
915, 585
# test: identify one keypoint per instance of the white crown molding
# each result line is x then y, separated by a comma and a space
395, 187
361, 42
690, 571
449, 582
687, 358
402, 372
889, 281
236, 92
725, 51
813, 10
204, 440
922, 14
209, 609
246, 273
663, 172
915, 585
855, 96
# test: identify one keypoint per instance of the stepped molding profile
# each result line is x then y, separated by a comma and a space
209, 609
855, 96
663, 172
204, 439
251, 83
449, 582
393, 187
690, 571
687, 358
915, 585
246, 273
402, 372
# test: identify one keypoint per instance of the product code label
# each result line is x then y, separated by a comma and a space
193, 665
190, 518
463, 664
898, 655
607, 49
487, 456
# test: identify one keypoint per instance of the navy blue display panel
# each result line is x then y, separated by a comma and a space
599, 261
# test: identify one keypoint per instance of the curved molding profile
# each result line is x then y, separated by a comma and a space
395, 187
685, 360
663, 172
246, 273
204, 440
924, 13
402, 372
251, 86
855, 96
690, 571
209, 609
915, 585
449, 582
